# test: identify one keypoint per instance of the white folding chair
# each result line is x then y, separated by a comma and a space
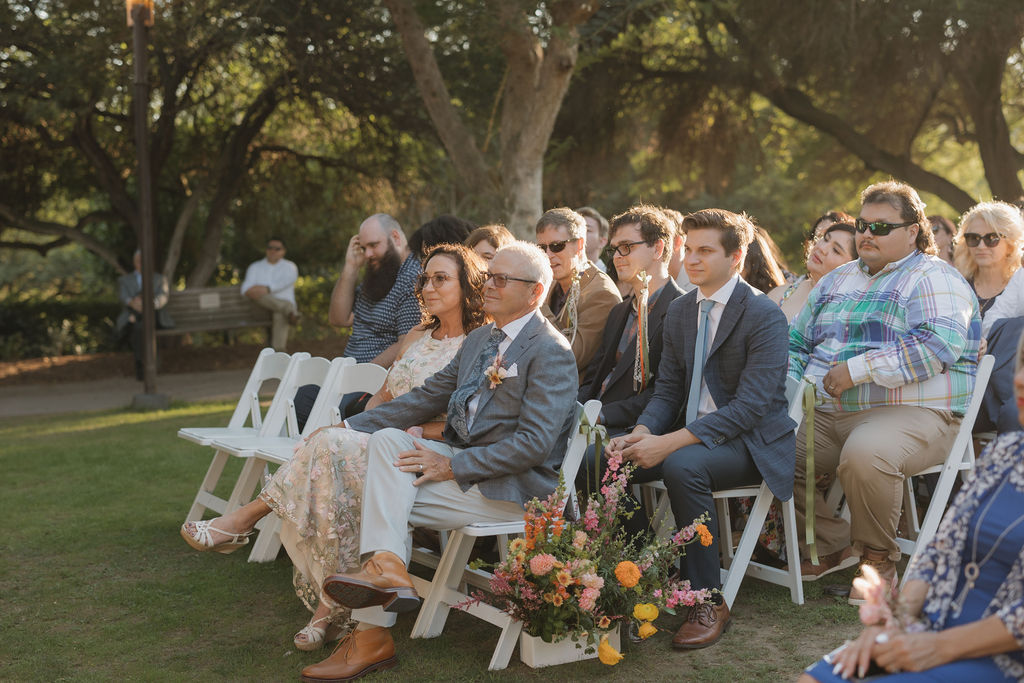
344, 377
444, 590
959, 461
738, 562
269, 365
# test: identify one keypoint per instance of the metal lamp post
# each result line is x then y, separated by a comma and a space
140, 16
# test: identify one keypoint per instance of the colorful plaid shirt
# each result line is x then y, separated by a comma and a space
910, 335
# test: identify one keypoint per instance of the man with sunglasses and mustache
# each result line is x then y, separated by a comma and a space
891, 343
581, 295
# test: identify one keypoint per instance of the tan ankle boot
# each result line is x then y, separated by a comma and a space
886, 568
359, 653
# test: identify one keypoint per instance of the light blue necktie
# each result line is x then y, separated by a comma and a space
700, 351
458, 403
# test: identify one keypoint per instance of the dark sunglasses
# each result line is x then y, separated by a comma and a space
973, 239
437, 279
501, 280
555, 247
623, 248
879, 228
275, 248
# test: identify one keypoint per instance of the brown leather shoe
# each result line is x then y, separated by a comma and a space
827, 564
886, 568
704, 625
359, 653
383, 580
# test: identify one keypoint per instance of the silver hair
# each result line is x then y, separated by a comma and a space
564, 217
535, 261
387, 223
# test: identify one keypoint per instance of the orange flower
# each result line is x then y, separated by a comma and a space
604, 622
705, 535
564, 578
556, 600
627, 573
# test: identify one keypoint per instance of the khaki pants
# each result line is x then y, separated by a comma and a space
281, 308
871, 452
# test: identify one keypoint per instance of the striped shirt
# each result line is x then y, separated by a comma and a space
910, 335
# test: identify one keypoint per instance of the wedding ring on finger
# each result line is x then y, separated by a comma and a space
882, 638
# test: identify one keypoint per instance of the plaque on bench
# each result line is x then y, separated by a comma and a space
209, 300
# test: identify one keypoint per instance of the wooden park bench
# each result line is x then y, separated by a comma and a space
213, 309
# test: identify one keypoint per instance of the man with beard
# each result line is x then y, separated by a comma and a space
381, 308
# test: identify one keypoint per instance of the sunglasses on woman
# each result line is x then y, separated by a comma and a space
973, 239
879, 228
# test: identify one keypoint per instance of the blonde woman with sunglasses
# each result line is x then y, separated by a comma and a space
988, 250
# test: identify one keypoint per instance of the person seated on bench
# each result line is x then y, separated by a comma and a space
270, 282
129, 321
510, 399
319, 491
891, 342
967, 586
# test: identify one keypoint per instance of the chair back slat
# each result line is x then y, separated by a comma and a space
328, 396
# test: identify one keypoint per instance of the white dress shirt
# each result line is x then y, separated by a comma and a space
721, 298
278, 277
511, 331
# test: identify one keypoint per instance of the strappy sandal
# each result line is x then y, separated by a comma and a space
202, 537
315, 636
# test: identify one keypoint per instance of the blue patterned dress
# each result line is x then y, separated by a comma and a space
990, 504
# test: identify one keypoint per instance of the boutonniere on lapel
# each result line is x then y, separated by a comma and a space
495, 373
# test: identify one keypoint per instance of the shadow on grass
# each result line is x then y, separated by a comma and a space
96, 584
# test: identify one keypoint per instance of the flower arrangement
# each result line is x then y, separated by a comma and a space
581, 577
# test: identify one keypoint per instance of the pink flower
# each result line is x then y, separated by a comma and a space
542, 564
579, 540
592, 581
657, 592
685, 534
590, 520
588, 599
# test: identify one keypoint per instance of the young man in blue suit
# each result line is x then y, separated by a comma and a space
718, 418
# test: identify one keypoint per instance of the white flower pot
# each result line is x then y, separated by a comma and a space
536, 653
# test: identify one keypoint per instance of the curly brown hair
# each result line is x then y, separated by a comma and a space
472, 275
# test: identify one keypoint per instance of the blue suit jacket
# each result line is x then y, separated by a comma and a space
746, 375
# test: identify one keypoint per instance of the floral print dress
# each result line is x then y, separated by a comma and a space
318, 493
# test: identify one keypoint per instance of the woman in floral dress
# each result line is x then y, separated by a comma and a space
318, 493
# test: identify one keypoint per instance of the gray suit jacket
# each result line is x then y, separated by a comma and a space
520, 429
746, 375
128, 287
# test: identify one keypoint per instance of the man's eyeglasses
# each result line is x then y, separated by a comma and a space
554, 247
501, 280
437, 279
879, 228
273, 248
973, 239
623, 248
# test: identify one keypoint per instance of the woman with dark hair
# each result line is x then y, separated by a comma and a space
960, 615
762, 269
488, 239
944, 232
318, 493
835, 247
445, 229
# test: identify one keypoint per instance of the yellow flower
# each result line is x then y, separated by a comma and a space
556, 600
645, 612
563, 577
627, 573
646, 630
608, 654
604, 622
516, 545
548, 597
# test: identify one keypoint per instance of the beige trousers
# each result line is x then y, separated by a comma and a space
392, 506
281, 308
871, 452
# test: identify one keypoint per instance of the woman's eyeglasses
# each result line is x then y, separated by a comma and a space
973, 239
623, 248
554, 247
437, 279
501, 280
879, 228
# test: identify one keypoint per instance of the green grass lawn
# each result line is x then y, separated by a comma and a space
96, 584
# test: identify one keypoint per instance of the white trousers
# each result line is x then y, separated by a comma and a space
392, 506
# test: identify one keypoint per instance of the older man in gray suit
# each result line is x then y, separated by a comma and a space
510, 398
718, 418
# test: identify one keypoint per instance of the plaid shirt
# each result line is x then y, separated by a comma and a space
378, 324
910, 335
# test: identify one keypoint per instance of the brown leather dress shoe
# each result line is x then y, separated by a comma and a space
359, 653
827, 564
383, 580
886, 568
704, 625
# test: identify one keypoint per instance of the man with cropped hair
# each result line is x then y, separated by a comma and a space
597, 235
891, 342
581, 295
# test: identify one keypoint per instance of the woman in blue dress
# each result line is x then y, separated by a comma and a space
967, 586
